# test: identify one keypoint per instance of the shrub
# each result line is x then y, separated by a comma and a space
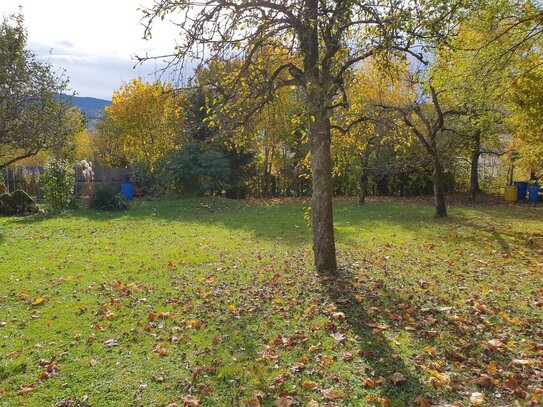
17, 203
58, 185
107, 198
145, 178
195, 171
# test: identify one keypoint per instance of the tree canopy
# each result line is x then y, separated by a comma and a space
34, 114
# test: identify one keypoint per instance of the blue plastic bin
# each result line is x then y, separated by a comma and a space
533, 193
522, 188
127, 190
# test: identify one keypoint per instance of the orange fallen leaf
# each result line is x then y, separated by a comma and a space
367, 382
422, 402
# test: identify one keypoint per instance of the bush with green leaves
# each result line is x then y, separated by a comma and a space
192, 170
146, 178
58, 185
106, 197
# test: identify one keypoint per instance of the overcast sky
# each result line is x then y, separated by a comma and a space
93, 40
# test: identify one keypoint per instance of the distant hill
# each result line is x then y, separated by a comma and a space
92, 108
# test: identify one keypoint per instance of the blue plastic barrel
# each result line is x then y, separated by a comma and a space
533, 193
127, 190
522, 188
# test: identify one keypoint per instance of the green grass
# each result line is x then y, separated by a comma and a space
218, 299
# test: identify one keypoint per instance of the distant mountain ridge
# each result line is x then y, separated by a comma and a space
92, 108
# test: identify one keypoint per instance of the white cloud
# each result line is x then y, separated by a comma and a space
95, 41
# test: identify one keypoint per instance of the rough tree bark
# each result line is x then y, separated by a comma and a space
321, 198
316, 84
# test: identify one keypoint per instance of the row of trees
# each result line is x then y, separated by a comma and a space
407, 125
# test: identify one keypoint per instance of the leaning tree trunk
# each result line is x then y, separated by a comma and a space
474, 188
438, 179
321, 199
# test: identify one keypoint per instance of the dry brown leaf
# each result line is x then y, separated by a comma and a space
423, 402
331, 394
285, 401
26, 389
398, 378
190, 401
309, 385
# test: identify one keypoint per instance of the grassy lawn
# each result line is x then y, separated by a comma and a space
216, 301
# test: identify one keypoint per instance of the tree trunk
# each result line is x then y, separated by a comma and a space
321, 199
363, 188
438, 179
265, 177
364, 178
474, 171
317, 85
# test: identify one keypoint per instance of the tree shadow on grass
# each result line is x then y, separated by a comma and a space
284, 221
403, 387
279, 222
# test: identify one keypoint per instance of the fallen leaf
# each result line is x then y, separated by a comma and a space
190, 401
26, 389
162, 351
398, 378
483, 381
331, 394
367, 382
477, 399
494, 345
38, 301
423, 402
309, 385
284, 401
111, 342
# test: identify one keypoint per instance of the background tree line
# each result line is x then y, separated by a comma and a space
465, 102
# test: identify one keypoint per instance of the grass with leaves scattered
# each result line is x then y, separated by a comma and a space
214, 302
